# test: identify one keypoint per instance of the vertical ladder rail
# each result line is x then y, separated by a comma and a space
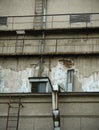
19, 44
38, 20
18, 117
40, 14
13, 114
8, 116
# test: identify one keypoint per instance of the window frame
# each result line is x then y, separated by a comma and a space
79, 18
3, 20
41, 80
70, 80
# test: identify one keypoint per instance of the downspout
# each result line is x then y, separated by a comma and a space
44, 13
55, 109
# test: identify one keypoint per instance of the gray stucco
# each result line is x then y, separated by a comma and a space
77, 111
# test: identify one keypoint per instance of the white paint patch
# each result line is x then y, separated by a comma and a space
12, 81
91, 84
59, 75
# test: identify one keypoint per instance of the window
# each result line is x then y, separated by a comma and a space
79, 18
40, 85
70, 80
3, 20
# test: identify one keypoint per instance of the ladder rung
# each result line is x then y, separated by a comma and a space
12, 116
14, 107
40, 5
12, 126
12, 120
39, 9
39, 1
13, 113
39, 12
14, 102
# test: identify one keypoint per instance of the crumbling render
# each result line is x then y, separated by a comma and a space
17, 80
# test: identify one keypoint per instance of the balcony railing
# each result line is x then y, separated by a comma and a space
53, 21
55, 46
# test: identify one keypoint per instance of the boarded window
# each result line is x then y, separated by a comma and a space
80, 18
70, 80
3, 20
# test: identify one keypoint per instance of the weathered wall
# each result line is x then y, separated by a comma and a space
17, 70
24, 8
77, 112
16, 7
71, 6
76, 43
14, 72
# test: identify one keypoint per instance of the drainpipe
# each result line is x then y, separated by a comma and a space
44, 23
55, 109
44, 13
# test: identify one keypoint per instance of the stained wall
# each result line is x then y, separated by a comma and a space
14, 72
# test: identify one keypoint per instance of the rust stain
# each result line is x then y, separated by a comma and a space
68, 63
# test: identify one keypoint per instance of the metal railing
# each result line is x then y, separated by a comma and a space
53, 21
67, 45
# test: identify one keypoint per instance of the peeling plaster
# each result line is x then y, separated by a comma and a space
90, 83
13, 81
17, 81
59, 75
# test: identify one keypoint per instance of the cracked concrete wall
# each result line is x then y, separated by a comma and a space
14, 73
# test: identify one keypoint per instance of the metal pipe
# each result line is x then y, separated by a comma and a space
55, 110
51, 15
44, 13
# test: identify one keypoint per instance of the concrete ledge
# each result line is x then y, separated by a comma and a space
66, 94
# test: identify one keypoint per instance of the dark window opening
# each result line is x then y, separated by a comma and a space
79, 18
3, 20
38, 87
70, 80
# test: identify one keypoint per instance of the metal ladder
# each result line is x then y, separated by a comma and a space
38, 20
13, 113
19, 44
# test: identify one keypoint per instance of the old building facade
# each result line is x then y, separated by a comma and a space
54, 39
